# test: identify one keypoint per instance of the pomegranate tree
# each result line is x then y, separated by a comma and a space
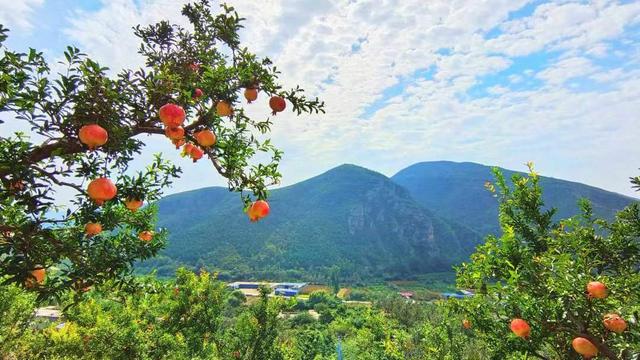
571, 287
83, 127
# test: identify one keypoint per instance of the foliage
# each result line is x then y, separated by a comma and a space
538, 271
191, 317
35, 230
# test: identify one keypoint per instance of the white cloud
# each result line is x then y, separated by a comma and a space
17, 13
568, 133
566, 69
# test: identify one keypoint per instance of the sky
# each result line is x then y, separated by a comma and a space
498, 82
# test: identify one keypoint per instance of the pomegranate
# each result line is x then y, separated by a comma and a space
101, 190
175, 133
613, 322
584, 347
597, 290
133, 204
196, 153
91, 229
251, 94
93, 136
197, 93
195, 67
172, 115
466, 324
205, 138
258, 210
223, 108
277, 104
178, 142
36, 277
520, 328
186, 149
145, 236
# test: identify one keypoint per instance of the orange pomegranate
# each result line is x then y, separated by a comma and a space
101, 190
520, 328
258, 210
205, 138
251, 94
36, 277
93, 136
277, 104
133, 204
91, 229
466, 324
223, 108
597, 290
613, 322
172, 115
584, 347
145, 236
175, 133
197, 93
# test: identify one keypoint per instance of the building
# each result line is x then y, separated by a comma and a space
457, 295
287, 289
50, 313
244, 285
282, 289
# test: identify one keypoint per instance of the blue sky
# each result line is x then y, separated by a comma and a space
496, 82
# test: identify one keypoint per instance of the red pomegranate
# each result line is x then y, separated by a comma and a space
277, 104
91, 229
197, 93
178, 142
172, 115
597, 290
133, 204
258, 210
520, 328
613, 322
251, 94
145, 236
196, 153
466, 324
195, 67
101, 190
175, 133
584, 347
223, 108
205, 138
186, 149
93, 136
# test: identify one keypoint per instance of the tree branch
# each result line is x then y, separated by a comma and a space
53, 178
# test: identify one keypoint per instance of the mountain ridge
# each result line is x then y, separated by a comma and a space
427, 217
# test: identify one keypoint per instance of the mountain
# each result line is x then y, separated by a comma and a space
349, 217
456, 191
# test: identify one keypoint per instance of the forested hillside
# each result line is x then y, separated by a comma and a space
349, 219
